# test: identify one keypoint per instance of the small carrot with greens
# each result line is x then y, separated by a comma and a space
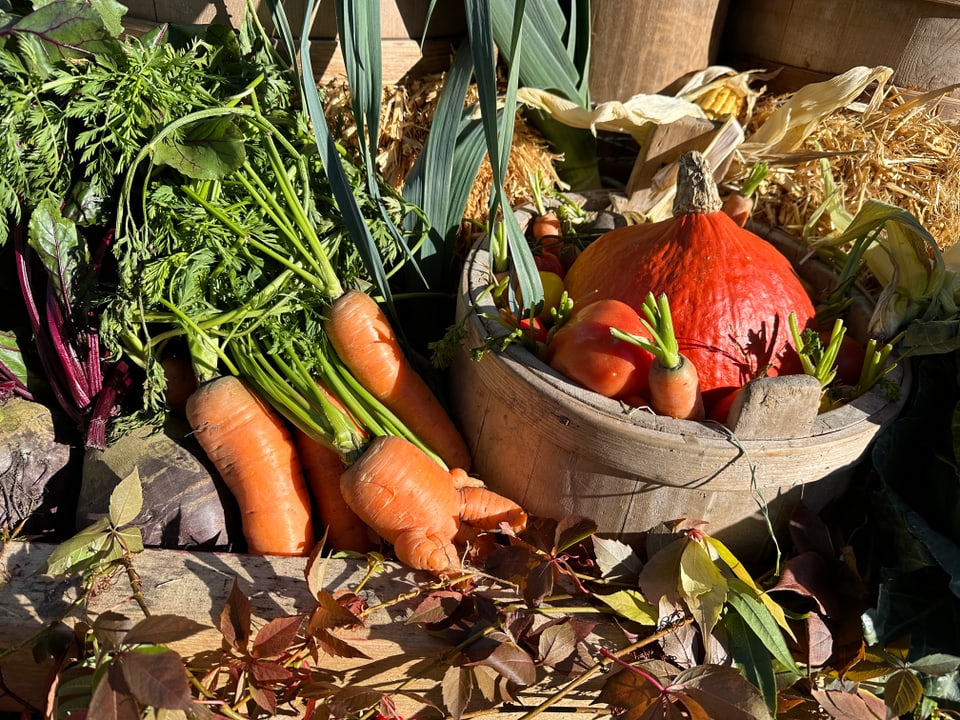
366, 344
249, 445
674, 382
414, 503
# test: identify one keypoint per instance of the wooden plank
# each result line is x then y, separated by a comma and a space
402, 58
919, 38
196, 585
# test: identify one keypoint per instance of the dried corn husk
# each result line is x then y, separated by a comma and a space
791, 122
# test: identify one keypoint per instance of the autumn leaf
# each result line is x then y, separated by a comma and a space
331, 614
721, 692
457, 687
618, 561
843, 700
111, 699
556, 643
276, 636
436, 607
499, 652
235, 619
703, 587
902, 692
162, 629
631, 694
630, 604
156, 677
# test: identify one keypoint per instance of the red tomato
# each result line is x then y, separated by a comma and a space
583, 350
548, 262
720, 411
536, 328
849, 359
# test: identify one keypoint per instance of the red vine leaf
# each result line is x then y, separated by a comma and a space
847, 701
352, 700
556, 644
264, 698
508, 659
331, 614
162, 629
436, 607
266, 672
457, 687
276, 636
631, 694
720, 691
111, 698
235, 619
156, 677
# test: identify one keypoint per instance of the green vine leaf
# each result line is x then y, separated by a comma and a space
762, 624
631, 604
126, 500
81, 551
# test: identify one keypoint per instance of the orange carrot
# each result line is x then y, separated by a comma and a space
181, 382
366, 344
249, 445
675, 391
674, 381
322, 467
417, 505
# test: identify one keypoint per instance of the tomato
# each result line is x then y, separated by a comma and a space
584, 351
548, 262
849, 360
535, 329
720, 410
552, 293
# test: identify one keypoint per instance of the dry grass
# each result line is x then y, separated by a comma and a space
406, 117
904, 154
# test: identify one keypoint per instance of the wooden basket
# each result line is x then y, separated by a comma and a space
561, 450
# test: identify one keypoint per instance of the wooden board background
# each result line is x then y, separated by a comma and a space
196, 585
411, 47
918, 39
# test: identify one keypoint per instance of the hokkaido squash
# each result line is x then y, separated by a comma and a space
730, 291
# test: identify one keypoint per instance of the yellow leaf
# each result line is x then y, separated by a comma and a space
737, 568
703, 586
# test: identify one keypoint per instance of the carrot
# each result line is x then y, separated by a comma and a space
411, 501
249, 445
181, 382
365, 342
674, 382
322, 467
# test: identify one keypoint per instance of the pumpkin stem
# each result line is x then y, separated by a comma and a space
696, 189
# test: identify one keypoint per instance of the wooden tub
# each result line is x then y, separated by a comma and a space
560, 450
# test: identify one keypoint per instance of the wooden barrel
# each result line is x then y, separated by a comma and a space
918, 39
644, 46
403, 24
560, 450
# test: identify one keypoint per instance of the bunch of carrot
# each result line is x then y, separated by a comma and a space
274, 472
298, 374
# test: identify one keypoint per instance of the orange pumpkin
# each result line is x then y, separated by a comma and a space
730, 291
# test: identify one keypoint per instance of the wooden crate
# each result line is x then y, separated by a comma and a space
403, 24
196, 585
918, 39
